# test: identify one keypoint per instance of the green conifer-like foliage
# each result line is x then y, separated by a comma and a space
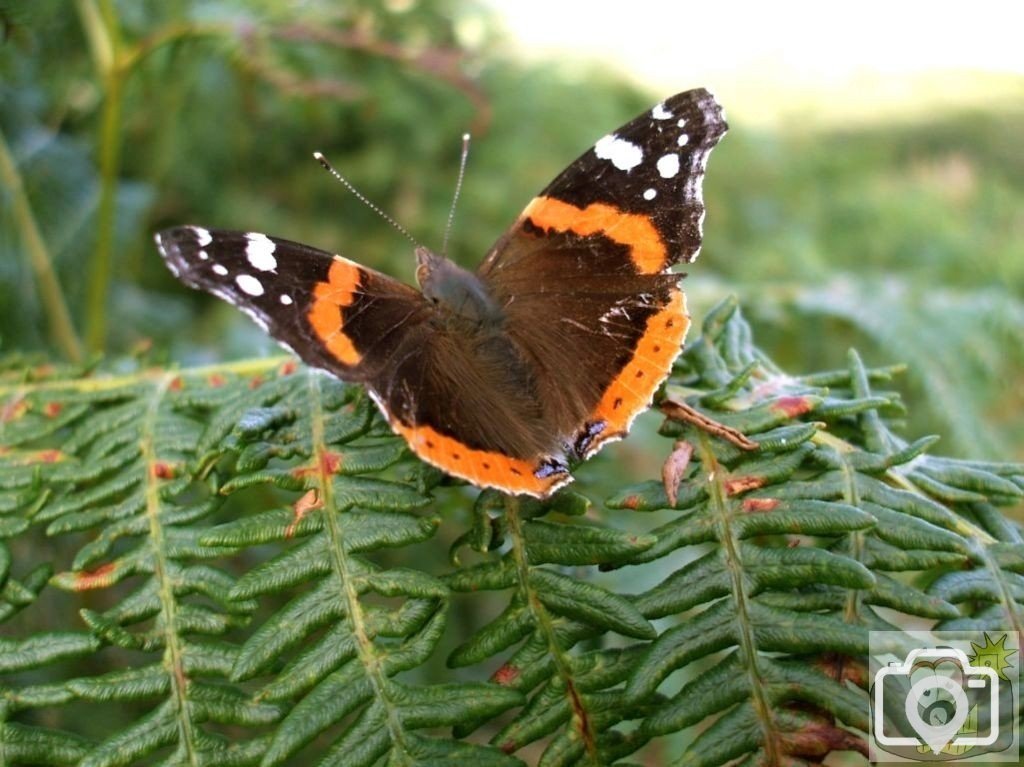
241, 565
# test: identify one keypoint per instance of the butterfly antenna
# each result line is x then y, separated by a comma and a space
362, 198
458, 189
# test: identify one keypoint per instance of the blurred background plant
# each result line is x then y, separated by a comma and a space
897, 229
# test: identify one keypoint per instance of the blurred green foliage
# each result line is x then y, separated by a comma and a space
123, 117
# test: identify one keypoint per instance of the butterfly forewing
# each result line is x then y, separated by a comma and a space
331, 312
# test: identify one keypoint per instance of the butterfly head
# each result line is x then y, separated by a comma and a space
454, 289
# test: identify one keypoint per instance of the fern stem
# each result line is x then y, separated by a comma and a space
543, 618
62, 330
963, 526
852, 610
174, 652
717, 501
871, 426
245, 367
339, 559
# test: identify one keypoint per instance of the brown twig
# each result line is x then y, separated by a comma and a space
680, 411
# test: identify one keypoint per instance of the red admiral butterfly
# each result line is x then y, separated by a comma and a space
546, 352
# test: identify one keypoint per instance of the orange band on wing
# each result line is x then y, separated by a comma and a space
325, 313
647, 251
481, 467
632, 389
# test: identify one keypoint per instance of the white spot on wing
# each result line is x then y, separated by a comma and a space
286, 299
683, 139
623, 154
650, 194
668, 165
249, 284
682, 122
660, 113
203, 236
260, 251
203, 255
219, 269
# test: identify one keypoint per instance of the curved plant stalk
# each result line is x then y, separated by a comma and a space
114, 61
100, 25
61, 328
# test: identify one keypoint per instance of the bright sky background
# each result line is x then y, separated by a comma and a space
876, 49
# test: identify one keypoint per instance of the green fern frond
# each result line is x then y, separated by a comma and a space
245, 542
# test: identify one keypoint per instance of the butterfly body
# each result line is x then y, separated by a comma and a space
546, 352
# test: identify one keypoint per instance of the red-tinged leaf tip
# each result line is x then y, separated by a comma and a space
163, 470
631, 502
49, 456
288, 368
737, 485
674, 468
330, 462
506, 675
793, 406
13, 409
255, 382
842, 668
216, 380
99, 578
818, 739
177, 384
793, 543
508, 747
760, 504
52, 409
43, 371
305, 504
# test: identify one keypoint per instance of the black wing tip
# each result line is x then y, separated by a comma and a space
707, 104
177, 246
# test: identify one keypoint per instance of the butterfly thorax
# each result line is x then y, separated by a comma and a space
454, 290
